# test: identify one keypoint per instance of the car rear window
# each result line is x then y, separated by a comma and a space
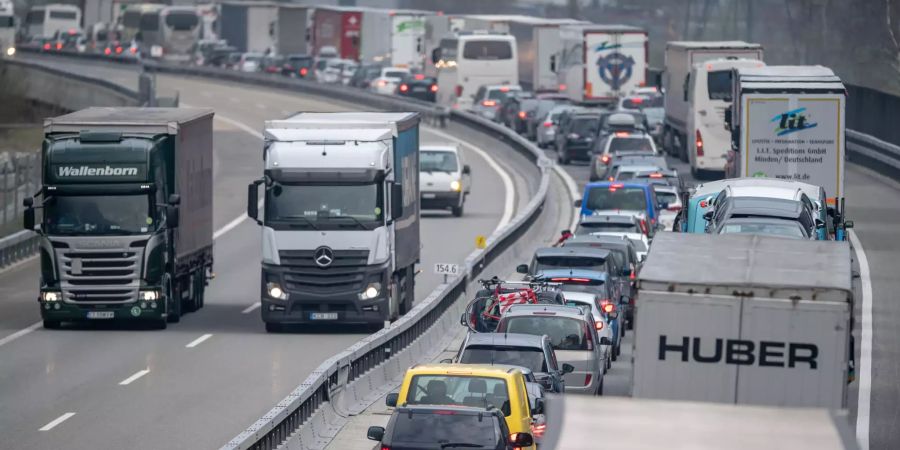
718, 84
395, 74
532, 358
575, 284
435, 428
600, 227
460, 390
487, 50
586, 126
667, 197
793, 230
565, 333
610, 197
569, 262
630, 144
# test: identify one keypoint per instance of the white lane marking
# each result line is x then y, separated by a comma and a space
198, 341
20, 333
56, 421
134, 377
572, 187
251, 308
863, 404
509, 197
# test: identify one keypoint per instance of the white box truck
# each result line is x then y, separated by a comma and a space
744, 319
680, 58
600, 63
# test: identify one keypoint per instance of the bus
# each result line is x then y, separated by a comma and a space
471, 60
48, 20
131, 19
170, 32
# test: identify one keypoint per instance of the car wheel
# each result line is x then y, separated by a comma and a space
600, 388
615, 354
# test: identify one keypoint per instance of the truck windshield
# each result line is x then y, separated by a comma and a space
98, 215
325, 206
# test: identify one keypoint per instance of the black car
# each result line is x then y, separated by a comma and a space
364, 75
418, 86
526, 350
297, 66
509, 106
442, 427
575, 138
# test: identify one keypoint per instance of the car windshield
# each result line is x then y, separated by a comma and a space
719, 85
565, 333
98, 215
544, 263
588, 227
499, 94
630, 144
586, 126
437, 161
532, 358
781, 228
395, 74
460, 390
611, 197
325, 206
445, 429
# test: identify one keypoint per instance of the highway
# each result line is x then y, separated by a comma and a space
203, 380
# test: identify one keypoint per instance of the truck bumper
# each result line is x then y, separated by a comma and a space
69, 312
344, 306
440, 200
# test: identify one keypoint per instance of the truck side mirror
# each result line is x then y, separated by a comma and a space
391, 399
436, 55
396, 201
172, 216
174, 199
253, 200
28, 221
522, 268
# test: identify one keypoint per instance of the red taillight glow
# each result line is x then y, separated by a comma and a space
632, 276
577, 280
489, 103
637, 100
704, 203
46, 46
548, 124
404, 88
563, 87
303, 71
608, 307
444, 413
434, 88
459, 90
622, 134
699, 144
59, 46
504, 89
382, 83
133, 50
644, 228
522, 114
598, 325
617, 185
118, 50
605, 159
107, 51
656, 175
384, 447
420, 76
538, 430
587, 379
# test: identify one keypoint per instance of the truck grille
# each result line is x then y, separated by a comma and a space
99, 276
346, 273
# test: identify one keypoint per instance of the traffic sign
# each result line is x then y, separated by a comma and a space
480, 241
446, 269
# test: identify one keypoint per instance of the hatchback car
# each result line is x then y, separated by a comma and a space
601, 292
546, 130
573, 336
613, 221
601, 170
622, 249
442, 427
444, 179
297, 66
527, 350
575, 137
759, 215
623, 196
389, 80
486, 102
419, 87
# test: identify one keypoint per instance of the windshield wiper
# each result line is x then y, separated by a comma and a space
460, 444
354, 219
303, 218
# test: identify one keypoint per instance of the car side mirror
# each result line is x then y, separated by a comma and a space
820, 224
463, 321
577, 203
568, 368
520, 440
848, 224
643, 258
375, 433
436, 55
605, 341
174, 199
396, 201
538, 407
522, 268
391, 399
467, 170
553, 63
172, 216
708, 215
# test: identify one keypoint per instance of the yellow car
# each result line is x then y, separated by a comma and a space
484, 386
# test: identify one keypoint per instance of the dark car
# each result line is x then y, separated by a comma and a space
537, 116
297, 66
771, 216
418, 86
443, 427
576, 136
364, 75
509, 107
526, 350
271, 64
623, 250
527, 110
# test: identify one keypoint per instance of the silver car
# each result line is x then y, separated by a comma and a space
546, 130
573, 337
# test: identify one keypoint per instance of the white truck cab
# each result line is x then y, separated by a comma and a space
708, 96
444, 178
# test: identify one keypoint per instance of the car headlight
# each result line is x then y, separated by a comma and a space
275, 291
456, 185
51, 296
10, 51
372, 291
148, 295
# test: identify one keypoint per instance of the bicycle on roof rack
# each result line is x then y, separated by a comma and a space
496, 297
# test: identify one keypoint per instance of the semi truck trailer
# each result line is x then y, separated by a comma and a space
126, 202
340, 226
745, 319
600, 63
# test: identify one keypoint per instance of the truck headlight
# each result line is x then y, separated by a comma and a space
456, 185
10, 51
372, 291
148, 295
51, 296
275, 291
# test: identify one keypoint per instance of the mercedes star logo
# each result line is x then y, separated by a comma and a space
323, 256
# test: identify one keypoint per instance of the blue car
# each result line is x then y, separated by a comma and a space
620, 196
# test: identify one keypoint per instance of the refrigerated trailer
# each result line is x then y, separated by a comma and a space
600, 63
292, 29
249, 26
746, 319
127, 206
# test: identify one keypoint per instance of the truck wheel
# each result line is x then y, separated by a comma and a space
457, 211
409, 291
190, 286
52, 324
173, 303
395, 299
273, 327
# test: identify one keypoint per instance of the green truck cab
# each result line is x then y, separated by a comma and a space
126, 219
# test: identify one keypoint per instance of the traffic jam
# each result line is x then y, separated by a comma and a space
718, 161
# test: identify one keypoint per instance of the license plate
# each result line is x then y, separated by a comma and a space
100, 314
418, 89
427, 195
323, 316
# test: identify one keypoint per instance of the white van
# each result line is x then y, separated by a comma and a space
471, 60
708, 96
444, 179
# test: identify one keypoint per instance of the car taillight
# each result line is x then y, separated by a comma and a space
420, 76
385, 447
548, 124
622, 134
303, 71
587, 379
434, 88
538, 430
404, 88
674, 208
118, 50
563, 87
107, 51
608, 307
133, 50
382, 83
522, 114
489, 103
459, 90
699, 143
605, 159
59, 46
656, 175
644, 228
598, 325
46, 46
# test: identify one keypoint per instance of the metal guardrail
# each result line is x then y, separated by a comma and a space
880, 156
18, 246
